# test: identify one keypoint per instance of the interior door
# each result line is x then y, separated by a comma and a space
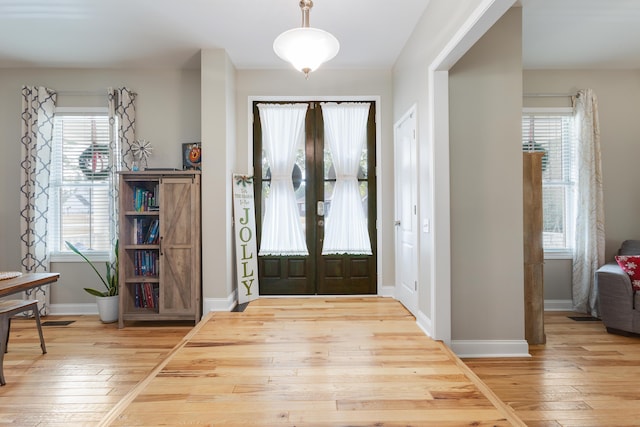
406, 212
313, 179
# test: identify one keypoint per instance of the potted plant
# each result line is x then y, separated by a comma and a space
107, 300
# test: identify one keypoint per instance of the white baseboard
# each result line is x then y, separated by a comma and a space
558, 305
386, 291
220, 304
73, 309
424, 323
490, 348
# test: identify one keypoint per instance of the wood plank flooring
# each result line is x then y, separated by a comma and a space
88, 368
582, 376
312, 362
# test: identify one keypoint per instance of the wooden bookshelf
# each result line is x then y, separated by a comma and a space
160, 246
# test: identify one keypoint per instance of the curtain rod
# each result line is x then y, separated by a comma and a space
549, 95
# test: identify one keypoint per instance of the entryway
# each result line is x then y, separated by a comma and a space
321, 240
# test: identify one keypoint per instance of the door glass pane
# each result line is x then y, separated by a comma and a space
362, 171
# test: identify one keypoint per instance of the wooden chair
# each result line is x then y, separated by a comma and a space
10, 308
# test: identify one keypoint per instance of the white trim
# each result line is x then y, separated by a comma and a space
379, 171
220, 304
490, 348
558, 305
386, 291
558, 254
73, 309
424, 323
93, 256
480, 21
440, 280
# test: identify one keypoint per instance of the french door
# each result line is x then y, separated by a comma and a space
314, 182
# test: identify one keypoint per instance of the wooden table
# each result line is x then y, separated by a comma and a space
14, 286
26, 281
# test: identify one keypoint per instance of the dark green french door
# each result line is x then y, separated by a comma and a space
314, 180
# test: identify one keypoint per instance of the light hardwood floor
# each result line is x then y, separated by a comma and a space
582, 376
312, 362
88, 367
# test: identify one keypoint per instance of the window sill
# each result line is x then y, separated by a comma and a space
558, 254
71, 257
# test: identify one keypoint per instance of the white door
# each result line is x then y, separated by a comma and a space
406, 215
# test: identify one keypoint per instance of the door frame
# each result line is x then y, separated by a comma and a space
408, 299
341, 98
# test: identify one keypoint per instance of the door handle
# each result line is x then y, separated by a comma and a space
397, 224
320, 208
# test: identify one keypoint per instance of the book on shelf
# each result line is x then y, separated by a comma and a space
144, 200
152, 233
146, 295
145, 231
146, 263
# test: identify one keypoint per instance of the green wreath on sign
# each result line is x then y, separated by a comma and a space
94, 162
532, 146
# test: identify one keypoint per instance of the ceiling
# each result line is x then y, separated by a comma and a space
170, 33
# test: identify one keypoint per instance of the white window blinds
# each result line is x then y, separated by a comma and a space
552, 134
79, 182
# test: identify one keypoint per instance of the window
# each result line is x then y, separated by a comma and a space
551, 131
79, 182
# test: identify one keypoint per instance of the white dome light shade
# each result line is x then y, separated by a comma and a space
306, 48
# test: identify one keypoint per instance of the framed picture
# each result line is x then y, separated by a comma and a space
191, 156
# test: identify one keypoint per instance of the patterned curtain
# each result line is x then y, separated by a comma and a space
122, 133
588, 253
38, 108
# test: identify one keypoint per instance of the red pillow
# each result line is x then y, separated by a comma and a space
631, 265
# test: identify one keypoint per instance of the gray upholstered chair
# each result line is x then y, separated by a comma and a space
619, 303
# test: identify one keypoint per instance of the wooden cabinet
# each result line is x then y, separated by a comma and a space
160, 255
533, 250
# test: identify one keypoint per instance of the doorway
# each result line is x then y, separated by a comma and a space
315, 186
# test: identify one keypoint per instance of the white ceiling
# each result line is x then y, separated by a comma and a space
581, 34
170, 33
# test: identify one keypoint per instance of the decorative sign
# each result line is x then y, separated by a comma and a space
245, 232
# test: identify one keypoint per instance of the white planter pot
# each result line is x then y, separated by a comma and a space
108, 308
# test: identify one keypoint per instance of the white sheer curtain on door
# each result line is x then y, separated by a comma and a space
282, 133
345, 130
588, 252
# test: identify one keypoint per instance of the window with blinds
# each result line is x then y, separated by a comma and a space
552, 133
79, 182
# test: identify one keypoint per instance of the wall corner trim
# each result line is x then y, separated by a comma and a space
219, 304
490, 348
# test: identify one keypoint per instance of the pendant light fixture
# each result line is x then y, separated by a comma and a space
306, 48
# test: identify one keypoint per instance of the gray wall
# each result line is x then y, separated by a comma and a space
436, 27
168, 114
619, 133
485, 96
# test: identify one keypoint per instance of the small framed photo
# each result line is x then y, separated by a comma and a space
191, 156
